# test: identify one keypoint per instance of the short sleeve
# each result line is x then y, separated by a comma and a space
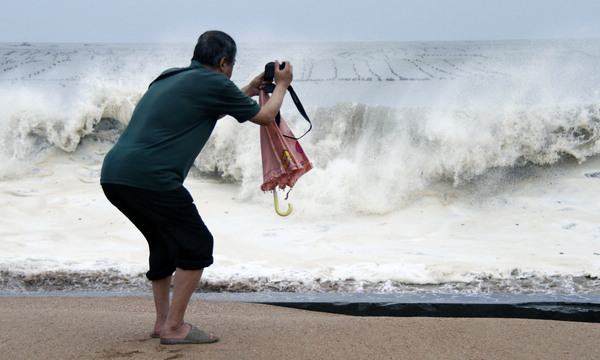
232, 101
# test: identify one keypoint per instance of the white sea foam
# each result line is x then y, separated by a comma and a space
438, 167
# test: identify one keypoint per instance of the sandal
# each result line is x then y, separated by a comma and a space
196, 336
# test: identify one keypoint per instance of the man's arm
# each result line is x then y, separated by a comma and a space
254, 87
283, 79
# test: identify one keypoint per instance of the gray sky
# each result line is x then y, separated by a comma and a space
299, 20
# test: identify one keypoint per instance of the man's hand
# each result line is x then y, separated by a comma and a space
284, 77
254, 87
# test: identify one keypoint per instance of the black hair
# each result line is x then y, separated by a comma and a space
214, 45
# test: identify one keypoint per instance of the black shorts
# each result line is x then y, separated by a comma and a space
170, 222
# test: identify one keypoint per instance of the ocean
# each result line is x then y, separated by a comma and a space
439, 167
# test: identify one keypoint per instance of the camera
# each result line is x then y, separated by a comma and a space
270, 71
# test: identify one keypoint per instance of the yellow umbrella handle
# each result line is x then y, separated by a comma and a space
279, 212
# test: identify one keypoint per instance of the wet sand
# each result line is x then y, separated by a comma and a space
118, 327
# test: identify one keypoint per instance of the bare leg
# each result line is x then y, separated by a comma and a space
186, 282
161, 290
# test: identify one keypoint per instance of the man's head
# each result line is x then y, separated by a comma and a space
215, 49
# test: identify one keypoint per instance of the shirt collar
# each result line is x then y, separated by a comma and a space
196, 64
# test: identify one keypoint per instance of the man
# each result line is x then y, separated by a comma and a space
143, 173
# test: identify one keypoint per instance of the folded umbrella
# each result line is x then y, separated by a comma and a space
283, 159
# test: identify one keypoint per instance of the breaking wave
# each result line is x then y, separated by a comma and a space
113, 280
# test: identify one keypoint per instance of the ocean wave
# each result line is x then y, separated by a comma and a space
358, 150
29, 127
112, 280
500, 137
487, 115
457, 144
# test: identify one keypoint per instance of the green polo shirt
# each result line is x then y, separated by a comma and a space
169, 127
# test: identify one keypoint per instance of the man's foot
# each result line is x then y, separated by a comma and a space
158, 325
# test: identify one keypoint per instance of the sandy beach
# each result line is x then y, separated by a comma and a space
118, 327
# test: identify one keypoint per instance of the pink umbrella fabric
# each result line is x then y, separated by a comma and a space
284, 160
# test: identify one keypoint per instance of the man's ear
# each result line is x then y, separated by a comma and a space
222, 63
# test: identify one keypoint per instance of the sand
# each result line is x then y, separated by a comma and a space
118, 327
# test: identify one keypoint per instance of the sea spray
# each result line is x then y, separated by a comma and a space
375, 159
467, 167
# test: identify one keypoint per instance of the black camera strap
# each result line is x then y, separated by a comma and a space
170, 73
269, 89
